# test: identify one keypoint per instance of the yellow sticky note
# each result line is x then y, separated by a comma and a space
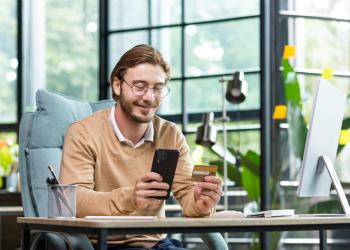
327, 73
344, 137
289, 51
280, 112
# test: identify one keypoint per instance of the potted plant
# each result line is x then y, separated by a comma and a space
8, 161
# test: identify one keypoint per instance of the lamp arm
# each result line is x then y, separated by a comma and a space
219, 150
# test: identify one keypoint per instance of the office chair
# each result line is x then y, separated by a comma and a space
41, 136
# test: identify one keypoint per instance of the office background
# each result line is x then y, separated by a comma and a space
70, 47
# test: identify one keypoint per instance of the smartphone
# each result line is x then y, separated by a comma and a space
164, 163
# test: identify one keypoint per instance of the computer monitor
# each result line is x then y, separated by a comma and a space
317, 169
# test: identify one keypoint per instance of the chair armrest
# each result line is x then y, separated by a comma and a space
214, 241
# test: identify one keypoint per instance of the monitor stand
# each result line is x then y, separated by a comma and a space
324, 161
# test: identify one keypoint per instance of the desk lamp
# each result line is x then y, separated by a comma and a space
237, 88
236, 92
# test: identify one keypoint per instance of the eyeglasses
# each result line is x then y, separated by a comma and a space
140, 88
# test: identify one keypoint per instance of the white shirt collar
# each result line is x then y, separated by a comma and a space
148, 136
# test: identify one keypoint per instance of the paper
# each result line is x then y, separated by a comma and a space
289, 51
229, 214
272, 213
327, 73
97, 217
344, 137
200, 171
280, 112
262, 214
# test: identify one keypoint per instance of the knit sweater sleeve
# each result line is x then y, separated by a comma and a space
183, 187
78, 167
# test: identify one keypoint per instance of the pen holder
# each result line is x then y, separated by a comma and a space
62, 201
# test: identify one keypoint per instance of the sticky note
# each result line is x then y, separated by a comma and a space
344, 137
327, 73
280, 112
289, 51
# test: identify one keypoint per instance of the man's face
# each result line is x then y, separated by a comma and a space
140, 109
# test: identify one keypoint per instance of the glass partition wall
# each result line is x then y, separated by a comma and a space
320, 33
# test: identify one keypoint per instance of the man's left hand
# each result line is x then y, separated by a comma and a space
207, 193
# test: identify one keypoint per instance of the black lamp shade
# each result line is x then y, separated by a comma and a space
206, 133
237, 88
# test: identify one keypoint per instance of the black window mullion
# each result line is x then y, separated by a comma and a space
149, 5
103, 48
183, 69
20, 63
10, 127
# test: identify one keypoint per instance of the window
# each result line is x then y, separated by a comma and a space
321, 35
320, 31
8, 62
205, 42
61, 49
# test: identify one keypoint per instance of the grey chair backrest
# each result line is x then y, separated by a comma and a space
41, 136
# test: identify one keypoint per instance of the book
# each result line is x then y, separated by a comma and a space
261, 214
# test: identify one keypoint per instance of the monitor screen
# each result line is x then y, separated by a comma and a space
322, 139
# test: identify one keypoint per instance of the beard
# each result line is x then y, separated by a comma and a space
128, 108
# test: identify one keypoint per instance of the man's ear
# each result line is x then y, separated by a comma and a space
116, 84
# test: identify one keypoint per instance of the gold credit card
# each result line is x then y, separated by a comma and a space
200, 171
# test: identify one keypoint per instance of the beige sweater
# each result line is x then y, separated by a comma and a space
106, 170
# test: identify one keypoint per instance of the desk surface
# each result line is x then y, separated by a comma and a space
188, 222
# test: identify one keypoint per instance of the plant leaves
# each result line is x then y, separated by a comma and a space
233, 173
345, 125
329, 206
291, 84
251, 183
251, 174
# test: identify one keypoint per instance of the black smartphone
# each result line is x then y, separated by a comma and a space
164, 163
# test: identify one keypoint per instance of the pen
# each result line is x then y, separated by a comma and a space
54, 175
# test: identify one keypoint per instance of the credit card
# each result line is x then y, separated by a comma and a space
200, 171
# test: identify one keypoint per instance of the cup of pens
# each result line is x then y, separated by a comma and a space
61, 201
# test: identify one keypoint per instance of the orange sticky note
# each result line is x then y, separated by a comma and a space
280, 112
327, 73
344, 137
289, 51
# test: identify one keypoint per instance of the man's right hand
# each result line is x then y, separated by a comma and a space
148, 186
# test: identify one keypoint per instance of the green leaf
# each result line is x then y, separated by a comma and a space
233, 173
345, 125
291, 84
251, 174
247, 176
251, 183
324, 207
297, 130
251, 160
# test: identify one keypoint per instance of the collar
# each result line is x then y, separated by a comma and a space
148, 136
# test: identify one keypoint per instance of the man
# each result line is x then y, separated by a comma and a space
109, 154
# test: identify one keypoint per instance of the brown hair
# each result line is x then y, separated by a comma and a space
139, 54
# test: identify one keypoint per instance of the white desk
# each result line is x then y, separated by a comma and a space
180, 225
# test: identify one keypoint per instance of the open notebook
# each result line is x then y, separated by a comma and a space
263, 214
